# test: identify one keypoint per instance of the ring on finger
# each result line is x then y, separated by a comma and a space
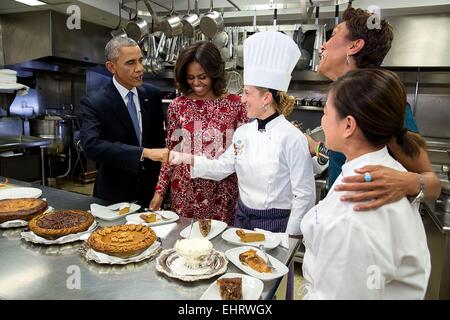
367, 177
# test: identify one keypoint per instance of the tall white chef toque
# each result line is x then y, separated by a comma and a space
269, 58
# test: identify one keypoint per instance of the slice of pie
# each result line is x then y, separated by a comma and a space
124, 208
251, 259
230, 288
250, 236
122, 241
55, 224
205, 226
148, 217
21, 209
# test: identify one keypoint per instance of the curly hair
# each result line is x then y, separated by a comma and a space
208, 56
378, 40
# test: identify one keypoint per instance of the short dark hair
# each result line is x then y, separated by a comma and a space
378, 41
208, 56
378, 107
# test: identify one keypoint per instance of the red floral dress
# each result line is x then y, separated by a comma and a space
206, 128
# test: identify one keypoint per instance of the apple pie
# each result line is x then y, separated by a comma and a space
205, 226
122, 241
230, 288
55, 224
251, 259
21, 209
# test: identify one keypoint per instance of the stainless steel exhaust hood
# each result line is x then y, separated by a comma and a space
420, 41
43, 36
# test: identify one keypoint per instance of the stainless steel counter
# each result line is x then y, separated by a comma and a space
8, 143
29, 271
18, 142
437, 227
439, 216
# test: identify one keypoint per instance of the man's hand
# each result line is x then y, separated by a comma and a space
156, 154
180, 158
156, 202
387, 186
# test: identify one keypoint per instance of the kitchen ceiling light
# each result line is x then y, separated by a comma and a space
31, 2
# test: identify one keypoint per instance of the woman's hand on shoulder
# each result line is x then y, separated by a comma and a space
388, 185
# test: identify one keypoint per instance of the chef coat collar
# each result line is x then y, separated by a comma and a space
376, 157
262, 123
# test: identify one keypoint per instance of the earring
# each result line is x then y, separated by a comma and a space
265, 107
347, 60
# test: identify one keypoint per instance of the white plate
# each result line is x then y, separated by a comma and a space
216, 228
231, 236
251, 288
171, 264
102, 258
280, 268
21, 192
107, 213
32, 237
172, 216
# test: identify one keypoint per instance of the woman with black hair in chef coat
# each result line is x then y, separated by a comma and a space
269, 155
380, 253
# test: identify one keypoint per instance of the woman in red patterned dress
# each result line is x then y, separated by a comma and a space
202, 122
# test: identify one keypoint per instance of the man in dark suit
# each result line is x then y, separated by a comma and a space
122, 128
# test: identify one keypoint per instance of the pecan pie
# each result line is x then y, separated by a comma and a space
21, 209
230, 288
251, 259
55, 224
122, 241
205, 226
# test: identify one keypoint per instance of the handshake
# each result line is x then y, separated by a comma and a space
164, 155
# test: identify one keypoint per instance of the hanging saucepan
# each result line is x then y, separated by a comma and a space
211, 23
220, 39
172, 25
137, 28
191, 23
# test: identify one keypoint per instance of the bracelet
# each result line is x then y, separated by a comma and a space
322, 153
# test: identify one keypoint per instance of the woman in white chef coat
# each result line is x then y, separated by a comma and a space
377, 254
269, 155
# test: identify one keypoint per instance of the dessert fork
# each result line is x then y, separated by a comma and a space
269, 264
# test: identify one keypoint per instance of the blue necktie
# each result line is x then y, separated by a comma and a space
131, 107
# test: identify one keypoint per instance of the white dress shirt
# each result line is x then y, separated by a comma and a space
123, 93
376, 254
273, 167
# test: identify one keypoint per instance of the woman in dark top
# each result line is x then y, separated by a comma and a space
353, 45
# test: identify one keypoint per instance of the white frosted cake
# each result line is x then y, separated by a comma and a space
193, 251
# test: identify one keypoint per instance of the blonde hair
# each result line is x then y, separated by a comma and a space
286, 104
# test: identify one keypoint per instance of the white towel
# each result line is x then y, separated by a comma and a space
8, 72
283, 236
22, 89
